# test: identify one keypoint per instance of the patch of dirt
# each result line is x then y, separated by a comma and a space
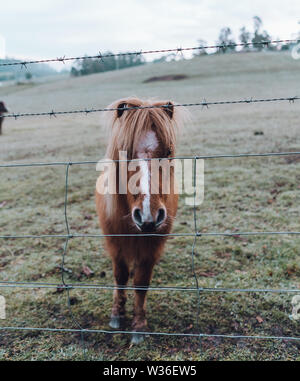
175, 77
291, 159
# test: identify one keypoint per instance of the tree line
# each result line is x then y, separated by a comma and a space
8, 73
105, 63
254, 38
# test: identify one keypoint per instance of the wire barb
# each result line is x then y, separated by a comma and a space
52, 113
204, 104
23, 65
249, 100
292, 99
62, 59
100, 57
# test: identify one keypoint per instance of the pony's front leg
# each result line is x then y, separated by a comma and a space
121, 274
142, 276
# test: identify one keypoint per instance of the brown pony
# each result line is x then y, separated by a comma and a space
144, 134
2, 110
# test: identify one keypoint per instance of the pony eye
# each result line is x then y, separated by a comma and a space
168, 153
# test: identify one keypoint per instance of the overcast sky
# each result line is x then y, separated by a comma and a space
52, 28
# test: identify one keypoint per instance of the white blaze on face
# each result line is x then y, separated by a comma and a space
145, 189
146, 147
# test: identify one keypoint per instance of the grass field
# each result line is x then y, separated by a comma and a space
257, 194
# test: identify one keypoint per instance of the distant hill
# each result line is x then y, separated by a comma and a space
17, 72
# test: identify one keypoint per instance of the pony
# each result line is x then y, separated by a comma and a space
144, 133
2, 110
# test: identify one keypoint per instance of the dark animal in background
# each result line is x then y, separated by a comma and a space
2, 110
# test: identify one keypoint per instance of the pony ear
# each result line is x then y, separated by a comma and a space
169, 109
120, 107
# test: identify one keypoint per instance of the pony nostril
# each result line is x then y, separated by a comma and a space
137, 216
148, 227
161, 215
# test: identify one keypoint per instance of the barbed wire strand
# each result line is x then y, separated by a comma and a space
203, 104
177, 50
8, 284
203, 157
179, 334
197, 234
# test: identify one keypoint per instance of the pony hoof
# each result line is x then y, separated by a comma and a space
137, 338
115, 322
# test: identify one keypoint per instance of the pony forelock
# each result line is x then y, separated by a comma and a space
126, 130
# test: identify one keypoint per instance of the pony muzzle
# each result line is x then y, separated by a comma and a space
148, 224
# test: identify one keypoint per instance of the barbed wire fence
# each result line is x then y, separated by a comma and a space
195, 234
